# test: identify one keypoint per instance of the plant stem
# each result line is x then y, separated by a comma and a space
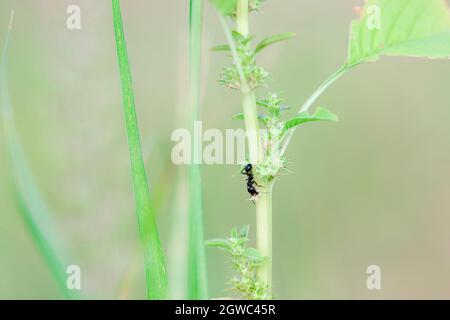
264, 232
248, 95
324, 86
252, 126
308, 103
197, 273
242, 24
264, 203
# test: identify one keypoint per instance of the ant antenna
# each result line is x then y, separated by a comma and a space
236, 173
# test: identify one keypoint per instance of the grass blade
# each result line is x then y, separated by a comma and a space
27, 197
155, 270
197, 273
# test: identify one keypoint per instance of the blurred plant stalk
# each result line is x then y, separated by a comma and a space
27, 195
264, 203
197, 272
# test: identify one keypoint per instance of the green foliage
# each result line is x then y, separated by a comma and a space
273, 39
261, 45
321, 114
244, 261
418, 28
254, 74
221, 47
197, 273
155, 270
271, 110
272, 107
244, 73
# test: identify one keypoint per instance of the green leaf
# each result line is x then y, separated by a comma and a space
256, 258
240, 116
321, 114
223, 244
260, 262
197, 272
234, 233
273, 104
155, 270
241, 39
253, 254
274, 39
243, 233
226, 7
221, 47
419, 28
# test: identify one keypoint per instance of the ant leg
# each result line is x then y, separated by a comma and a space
256, 183
254, 198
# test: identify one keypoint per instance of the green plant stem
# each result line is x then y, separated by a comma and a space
242, 24
310, 101
264, 231
264, 203
252, 126
197, 273
155, 270
248, 96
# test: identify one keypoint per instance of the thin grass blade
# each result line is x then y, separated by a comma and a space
27, 196
155, 269
197, 272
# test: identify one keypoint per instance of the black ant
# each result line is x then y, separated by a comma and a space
251, 183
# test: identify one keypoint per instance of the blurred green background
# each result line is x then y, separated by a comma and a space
372, 189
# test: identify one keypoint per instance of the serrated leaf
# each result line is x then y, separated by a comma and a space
321, 114
274, 39
419, 28
226, 7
